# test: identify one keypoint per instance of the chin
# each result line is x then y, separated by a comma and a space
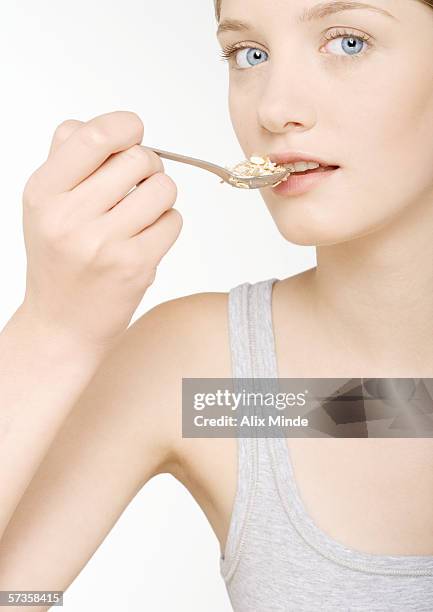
310, 222
309, 233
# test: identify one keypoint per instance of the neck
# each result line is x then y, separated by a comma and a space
377, 291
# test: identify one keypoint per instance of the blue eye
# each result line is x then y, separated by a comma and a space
250, 54
350, 45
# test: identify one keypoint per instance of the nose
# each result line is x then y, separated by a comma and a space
287, 102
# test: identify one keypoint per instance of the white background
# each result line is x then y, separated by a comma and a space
64, 60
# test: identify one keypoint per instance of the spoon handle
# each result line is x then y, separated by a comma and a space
192, 161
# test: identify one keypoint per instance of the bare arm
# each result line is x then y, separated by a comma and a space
123, 430
98, 219
41, 377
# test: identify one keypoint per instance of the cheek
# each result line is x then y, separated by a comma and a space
242, 109
400, 135
387, 122
404, 124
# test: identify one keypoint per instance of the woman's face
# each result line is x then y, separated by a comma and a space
362, 101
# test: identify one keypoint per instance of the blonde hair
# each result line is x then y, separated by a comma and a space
218, 7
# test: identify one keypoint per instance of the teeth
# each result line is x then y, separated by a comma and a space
301, 166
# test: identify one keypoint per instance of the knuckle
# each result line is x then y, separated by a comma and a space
108, 258
147, 159
130, 268
154, 160
32, 193
92, 243
174, 222
139, 154
95, 135
150, 277
129, 121
135, 122
176, 217
167, 183
123, 125
80, 244
64, 129
89, 251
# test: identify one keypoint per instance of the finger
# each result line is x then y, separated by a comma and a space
86, 149
140, 208
62, 133
157, 239
116, 177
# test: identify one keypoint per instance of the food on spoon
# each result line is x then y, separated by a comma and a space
257, 165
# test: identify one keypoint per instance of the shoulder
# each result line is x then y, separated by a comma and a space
201, 304
191, 329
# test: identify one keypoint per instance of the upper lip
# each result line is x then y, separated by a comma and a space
289, 157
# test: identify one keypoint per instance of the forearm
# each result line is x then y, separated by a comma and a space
42, 374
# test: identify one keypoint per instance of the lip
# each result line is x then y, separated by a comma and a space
287, 157
297, 184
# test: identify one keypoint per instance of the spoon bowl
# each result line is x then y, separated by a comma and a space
227, 176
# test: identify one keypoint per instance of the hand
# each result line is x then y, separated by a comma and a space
92, 244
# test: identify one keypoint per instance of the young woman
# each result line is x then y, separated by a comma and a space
303, 524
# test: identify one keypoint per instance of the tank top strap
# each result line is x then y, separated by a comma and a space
253, 356
251, 330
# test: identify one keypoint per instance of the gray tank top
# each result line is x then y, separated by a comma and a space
276, 558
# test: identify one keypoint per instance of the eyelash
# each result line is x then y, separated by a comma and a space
229, 50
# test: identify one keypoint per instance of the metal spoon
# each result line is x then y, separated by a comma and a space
243, 182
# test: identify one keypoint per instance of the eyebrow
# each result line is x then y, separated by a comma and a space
319, 11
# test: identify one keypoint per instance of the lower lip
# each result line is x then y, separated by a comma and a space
297, 184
